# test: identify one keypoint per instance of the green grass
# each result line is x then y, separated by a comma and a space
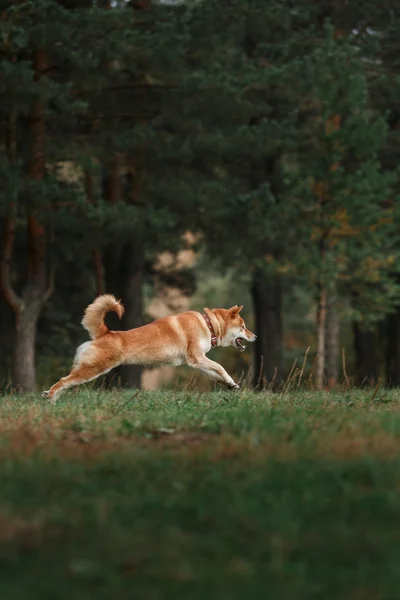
182, 495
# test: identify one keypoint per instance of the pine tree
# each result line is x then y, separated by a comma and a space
372, 28
243, 120
30, 105
344, 190
293, 148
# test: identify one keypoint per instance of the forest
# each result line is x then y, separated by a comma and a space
202, 153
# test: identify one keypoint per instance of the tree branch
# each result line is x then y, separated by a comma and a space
99, 272
97, 257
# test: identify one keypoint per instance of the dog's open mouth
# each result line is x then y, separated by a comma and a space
239, 344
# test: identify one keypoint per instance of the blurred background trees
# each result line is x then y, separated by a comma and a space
183, 154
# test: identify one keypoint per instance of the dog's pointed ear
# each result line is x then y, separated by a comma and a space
235, 310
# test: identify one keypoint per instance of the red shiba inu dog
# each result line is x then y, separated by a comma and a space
174, 340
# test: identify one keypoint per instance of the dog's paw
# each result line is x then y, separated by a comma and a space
47, 396
235, 386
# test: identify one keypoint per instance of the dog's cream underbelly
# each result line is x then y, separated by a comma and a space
142, 359
176, 362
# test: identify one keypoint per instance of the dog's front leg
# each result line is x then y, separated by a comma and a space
212, 369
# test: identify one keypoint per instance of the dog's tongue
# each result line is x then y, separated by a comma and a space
239, 344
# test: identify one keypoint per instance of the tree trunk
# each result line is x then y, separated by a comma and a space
112, 182
132, 264
125, 280
36, 290
321, 325
97, 255
267, 303
393, 348
7, 332
332, 341
365, 347
24, 373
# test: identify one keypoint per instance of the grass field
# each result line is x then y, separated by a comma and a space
181, 495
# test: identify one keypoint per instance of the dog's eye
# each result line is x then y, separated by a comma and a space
242, 326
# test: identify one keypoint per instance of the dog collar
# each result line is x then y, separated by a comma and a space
211, 328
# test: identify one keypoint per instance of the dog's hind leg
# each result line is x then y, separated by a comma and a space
212, 369
79, 374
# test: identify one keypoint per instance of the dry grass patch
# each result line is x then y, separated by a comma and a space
255, 426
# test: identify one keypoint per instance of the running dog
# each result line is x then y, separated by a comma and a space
174, 340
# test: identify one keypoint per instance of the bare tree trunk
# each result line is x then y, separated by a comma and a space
365, 351
323, 194
332, 341
132, 266
7, 332
97, 255
24, 373
393, 348
111, 186
112, 182
132, 278
36, 290
125, 275
125, 280
321, 324
391, 334
99, 272
267, 303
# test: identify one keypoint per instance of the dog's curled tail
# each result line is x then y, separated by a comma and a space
93, 319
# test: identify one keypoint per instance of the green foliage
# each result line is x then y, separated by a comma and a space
100, 93
344, 189
295, 145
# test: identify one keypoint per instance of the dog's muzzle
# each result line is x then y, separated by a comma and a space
239, 344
